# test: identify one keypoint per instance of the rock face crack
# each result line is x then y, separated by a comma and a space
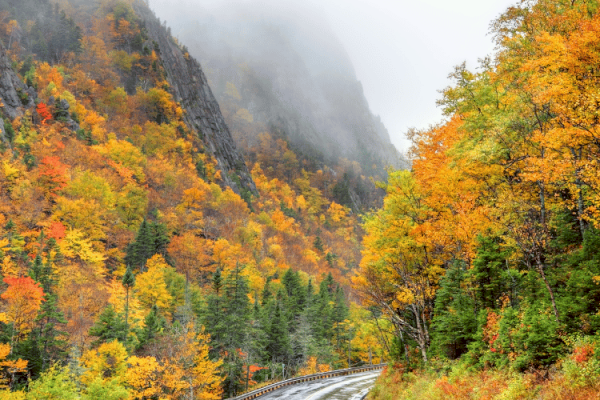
190, 88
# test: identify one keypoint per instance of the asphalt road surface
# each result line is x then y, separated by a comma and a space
349, 387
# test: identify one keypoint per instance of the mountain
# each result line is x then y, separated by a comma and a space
284, 68
142, 254
203, 115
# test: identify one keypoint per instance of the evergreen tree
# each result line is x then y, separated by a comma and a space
339, 314
278, 345
488, 272
150, 239
47, 343
455, 320
154, 323
296, 298
266, 294
128, 281
213, 318
109, 326
236, 322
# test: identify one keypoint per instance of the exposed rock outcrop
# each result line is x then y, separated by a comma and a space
203, 115
292, 74
15, 96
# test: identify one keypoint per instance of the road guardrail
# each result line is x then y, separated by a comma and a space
299, 379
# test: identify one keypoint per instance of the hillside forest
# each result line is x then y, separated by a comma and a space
486, 255
130, 269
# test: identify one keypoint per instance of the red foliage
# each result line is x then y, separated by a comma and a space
42, 110
56, 231
583, 354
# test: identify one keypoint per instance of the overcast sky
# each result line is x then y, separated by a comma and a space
402, 50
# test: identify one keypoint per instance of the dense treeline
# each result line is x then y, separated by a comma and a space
129, 270
487, 251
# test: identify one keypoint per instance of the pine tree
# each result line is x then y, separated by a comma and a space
142, 248
455, 320
278, 345
151, 239
48, 342
128, 282
109, 326
213, 318
487, 272
154, 323
296, 298
266, 292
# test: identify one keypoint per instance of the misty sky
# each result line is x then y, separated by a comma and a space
402, 50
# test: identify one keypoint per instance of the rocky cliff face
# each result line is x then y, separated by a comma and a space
292, 74
15, 96
203, 115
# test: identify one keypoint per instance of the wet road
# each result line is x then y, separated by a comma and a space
349, 387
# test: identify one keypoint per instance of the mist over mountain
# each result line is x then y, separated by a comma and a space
282, 67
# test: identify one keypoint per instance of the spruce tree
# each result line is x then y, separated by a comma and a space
48, 342
278, 344
109, 326
128, 281
154, 323
151, 239
455, 317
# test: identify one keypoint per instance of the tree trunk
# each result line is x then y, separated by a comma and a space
540, 266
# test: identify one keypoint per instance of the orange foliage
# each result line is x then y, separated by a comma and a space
23, 299
53, 175
56, 231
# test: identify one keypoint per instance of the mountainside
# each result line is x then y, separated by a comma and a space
140, 255
190, 88
288, 72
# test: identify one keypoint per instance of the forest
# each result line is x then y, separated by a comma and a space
486, 255
140, 260
130, 269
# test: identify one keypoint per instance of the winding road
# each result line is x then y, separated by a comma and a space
349, 387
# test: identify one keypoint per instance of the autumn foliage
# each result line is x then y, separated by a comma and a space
129, 267
485, 252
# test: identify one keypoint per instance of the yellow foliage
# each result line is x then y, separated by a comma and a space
76, 246
125, 154
143, 377
9, 367
137, 312
107, 362
150, 286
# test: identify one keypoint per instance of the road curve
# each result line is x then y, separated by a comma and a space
349, 387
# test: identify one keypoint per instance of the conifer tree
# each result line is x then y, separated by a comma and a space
150, 239
128, 282
47, 341
109, 326
278, 344
154, 323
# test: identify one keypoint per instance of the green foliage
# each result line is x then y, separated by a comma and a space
100, 389
128, 278
55, 34
109, 326
490, 275
8, 130
151, 239
56, 383
455, 321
